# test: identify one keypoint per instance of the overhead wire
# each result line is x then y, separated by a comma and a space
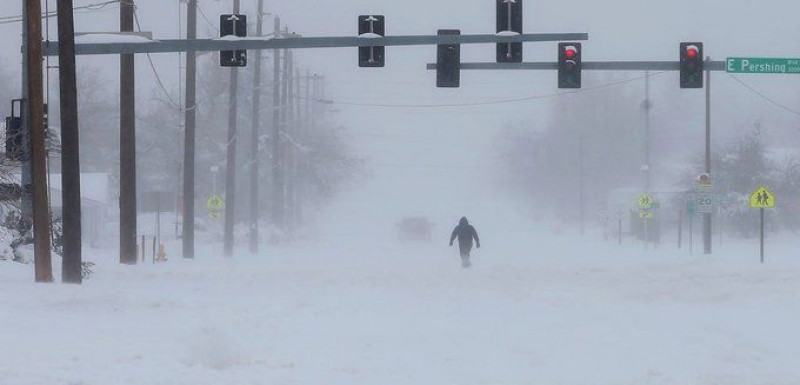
765, 97
159, 81
51, 14
203, 14
489, 102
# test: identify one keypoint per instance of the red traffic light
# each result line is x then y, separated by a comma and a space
570, 53
691, 52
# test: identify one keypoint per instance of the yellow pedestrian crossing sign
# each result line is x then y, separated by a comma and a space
645, 202
215, 203
762, 199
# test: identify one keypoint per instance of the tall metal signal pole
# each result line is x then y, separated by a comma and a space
127, 153
189, 135
254, 206
41, 214
647, 106
70, 145
707, 241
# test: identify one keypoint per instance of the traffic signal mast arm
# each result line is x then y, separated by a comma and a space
255, 43
588, 65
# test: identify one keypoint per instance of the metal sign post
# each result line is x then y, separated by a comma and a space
762, 199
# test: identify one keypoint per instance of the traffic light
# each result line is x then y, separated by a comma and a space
371, 26
448, 62
509, 19
15, 132
569, 65
233, 25
691, 65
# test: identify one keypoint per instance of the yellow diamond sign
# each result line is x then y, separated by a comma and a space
762, 199
645, 202
215, 203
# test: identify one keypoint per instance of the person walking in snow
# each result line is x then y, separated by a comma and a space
465, 234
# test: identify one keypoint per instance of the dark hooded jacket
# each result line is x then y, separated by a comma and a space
465, 234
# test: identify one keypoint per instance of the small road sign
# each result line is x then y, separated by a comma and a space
762, 199
215, 203
762, 66
645, 202
705, 202
645, 214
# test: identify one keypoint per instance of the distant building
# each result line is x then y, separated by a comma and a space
96, 203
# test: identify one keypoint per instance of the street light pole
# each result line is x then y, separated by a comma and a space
707, 218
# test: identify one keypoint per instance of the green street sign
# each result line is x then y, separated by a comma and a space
690, 207
738, 65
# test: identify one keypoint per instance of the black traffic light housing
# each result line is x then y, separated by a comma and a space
371, 56
509, 19
691, 65
448, 62
15, 133
233, 25
569, 65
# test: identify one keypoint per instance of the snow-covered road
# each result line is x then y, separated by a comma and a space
566, 312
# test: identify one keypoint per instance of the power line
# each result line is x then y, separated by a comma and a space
765, 97
203, 14
160, 82
47, 15
488, 102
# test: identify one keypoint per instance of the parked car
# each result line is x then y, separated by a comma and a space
416, 229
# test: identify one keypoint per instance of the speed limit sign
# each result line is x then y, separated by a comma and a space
705, 202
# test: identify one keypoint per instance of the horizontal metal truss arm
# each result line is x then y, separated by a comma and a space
225, 44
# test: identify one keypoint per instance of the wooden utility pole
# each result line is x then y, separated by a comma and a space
41, 212
300, 158
27, 175
127, 152
255, 139
230, 175
70, 145
277, 153
289, 128
189, 142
